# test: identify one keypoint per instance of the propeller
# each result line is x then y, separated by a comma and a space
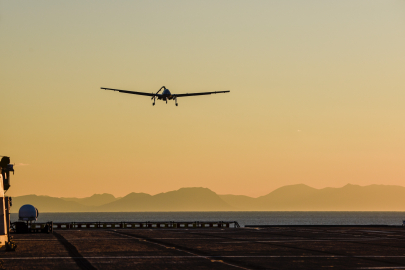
163, 87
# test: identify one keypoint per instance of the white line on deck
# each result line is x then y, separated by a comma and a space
242, 240
184, 251
306, 240
121, 238
203, 257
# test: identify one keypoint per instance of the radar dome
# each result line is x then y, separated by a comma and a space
28, 212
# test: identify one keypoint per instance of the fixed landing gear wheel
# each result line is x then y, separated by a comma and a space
153, 104
177, 104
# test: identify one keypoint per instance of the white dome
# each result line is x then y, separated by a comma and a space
28, 212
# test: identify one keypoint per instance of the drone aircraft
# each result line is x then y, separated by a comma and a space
165, 95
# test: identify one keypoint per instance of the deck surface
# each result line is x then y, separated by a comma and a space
243, 248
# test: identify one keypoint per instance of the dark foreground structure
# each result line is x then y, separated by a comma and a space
206, 248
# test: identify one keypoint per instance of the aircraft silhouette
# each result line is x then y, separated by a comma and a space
166, 95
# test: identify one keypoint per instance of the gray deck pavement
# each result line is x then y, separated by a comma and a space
243, 248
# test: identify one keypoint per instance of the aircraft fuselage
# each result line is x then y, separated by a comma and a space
166, 95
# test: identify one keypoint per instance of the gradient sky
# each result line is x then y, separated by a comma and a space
317, 95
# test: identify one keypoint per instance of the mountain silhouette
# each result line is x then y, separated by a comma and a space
184, 199
348, 198
288, 198
48, 204
95, 200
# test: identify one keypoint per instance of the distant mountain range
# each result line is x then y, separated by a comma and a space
288, 198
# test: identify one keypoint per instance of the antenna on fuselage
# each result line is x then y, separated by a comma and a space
163, 87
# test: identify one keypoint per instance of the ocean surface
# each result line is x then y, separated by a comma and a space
242, 217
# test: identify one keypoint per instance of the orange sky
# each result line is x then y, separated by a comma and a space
317, 95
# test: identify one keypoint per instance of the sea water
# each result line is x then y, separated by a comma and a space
242, 217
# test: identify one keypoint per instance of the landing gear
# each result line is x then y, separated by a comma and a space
154, 100
175, 99
153, 104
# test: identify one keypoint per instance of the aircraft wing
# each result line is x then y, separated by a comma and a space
199, 94
131, 92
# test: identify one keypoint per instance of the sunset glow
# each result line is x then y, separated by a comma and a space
317, 95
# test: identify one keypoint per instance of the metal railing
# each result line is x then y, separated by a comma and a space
139, 225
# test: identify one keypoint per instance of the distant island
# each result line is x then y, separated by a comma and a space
288, 198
